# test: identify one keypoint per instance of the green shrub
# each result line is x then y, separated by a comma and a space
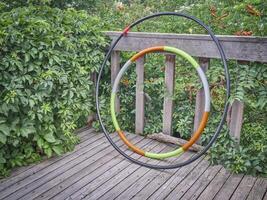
248, 81
46, 57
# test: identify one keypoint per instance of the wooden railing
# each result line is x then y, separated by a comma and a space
250, 49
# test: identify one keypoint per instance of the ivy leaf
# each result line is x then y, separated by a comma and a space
25, 131
48, 152
58, 149
5, 129
15, 142
27, 57
2, 138
31, 103
71, 94
2, 160
49, 137
40, 142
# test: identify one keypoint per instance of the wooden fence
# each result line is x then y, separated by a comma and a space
249, 49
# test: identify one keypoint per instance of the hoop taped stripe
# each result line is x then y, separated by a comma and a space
112, 110
198, 132
130, 145
206, 88
196, 135
145, 51
183, 54
164, 155
119, 76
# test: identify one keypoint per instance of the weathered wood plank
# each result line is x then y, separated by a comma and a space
105, 161
249, 48
171, 183
104, 174
83, 134
115, 68
236, 120
200, 97
215, 185
244, 188
139, 97
158, 181
150, 179
129, 174
85, 168
265, 196
168, 98
21, 188
183, 186
7, 183
88, 190
229, 187
197, 188
258, 190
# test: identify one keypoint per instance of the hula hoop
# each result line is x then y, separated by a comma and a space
205, 115
226, 105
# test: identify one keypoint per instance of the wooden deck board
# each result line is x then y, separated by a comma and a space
265, 196
83, 133
33, 169
197, 188
20, 188
215, 185
170, 184
123, 174
244, 188
184, 185
258, 190
159, 179
126, 183
229, 187
88, 190
67, 172
149, 177
95, 170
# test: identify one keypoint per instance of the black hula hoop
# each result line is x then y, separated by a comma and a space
226, 73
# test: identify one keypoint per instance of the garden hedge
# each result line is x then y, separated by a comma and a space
46, 58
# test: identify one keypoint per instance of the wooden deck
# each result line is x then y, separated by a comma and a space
94, 170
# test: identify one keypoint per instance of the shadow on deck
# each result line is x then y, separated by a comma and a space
94, 170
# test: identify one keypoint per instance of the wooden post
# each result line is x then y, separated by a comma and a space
168, 101
236, 114
115, 68
92, 117
236, 121
139, 97
200, 97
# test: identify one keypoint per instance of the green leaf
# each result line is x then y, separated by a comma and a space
2, 160
15, 142
71, 94
25, 131
40, 142
2, 138
58, 149
48, 152
5, 129
49, 137
31, 103
27, 57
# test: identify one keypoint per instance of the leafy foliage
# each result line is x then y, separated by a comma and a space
62, 4
46, 56
248, 80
